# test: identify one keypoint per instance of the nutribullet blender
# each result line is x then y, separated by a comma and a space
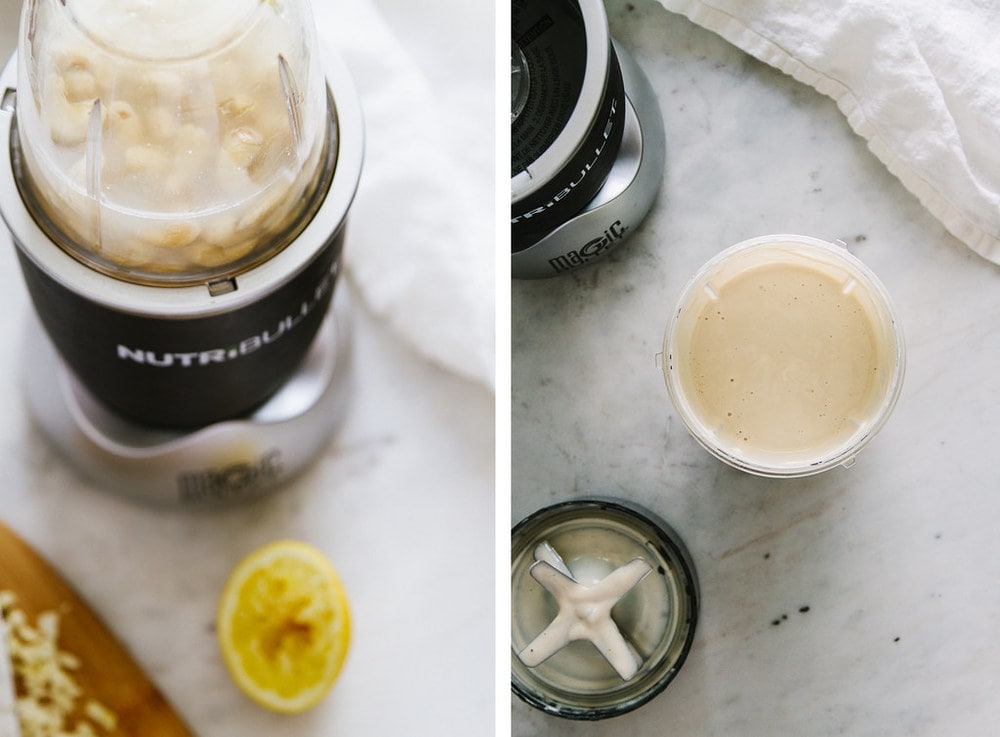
176, 178
587, 139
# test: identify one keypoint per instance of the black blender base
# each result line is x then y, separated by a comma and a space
220, 463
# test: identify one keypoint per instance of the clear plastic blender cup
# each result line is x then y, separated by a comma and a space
170, 142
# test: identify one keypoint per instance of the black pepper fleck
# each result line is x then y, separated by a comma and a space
803, 609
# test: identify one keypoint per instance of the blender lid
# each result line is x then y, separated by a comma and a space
604, 601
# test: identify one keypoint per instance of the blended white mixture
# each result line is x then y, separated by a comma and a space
782, 358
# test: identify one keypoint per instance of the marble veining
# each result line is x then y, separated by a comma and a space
861, 601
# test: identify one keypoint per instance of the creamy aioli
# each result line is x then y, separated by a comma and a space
783, 355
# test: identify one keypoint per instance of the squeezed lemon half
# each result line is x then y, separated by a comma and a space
284, 626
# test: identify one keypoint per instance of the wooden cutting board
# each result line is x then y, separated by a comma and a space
107, 672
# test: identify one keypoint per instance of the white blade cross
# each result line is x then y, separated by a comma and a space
584, 611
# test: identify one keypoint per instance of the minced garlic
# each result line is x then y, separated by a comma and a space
48, 695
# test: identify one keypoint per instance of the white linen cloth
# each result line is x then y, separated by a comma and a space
918, 79
420, 234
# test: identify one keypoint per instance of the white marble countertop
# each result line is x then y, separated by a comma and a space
896, 558
401, 501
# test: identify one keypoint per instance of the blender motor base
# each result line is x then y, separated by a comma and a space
220, 463
625, 197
